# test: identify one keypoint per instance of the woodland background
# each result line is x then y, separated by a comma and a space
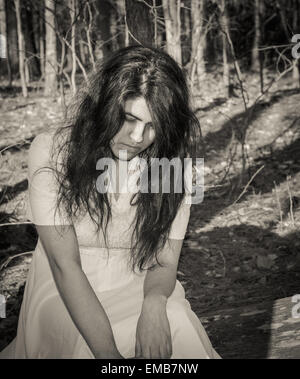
240, 264
54, 42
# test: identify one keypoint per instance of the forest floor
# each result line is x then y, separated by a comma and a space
239, 250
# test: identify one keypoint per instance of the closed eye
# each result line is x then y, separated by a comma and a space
133, 119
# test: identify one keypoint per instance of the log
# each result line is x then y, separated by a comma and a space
266, 330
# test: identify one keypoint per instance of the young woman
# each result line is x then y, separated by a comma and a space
102, 282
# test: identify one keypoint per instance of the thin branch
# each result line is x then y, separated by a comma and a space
129, 32
247, 185
11, 258
17, 223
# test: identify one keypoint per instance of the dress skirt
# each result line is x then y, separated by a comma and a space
46, 330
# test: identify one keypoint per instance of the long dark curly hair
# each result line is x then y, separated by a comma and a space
95, 117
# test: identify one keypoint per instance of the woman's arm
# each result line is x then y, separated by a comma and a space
86, 311
153, 330
160, 282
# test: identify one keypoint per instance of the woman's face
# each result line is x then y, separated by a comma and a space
137, 133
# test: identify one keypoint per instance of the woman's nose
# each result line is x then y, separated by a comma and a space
137, 133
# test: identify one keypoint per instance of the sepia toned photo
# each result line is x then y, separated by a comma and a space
149, 182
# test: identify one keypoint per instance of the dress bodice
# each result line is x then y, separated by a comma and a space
119, 229
42, 199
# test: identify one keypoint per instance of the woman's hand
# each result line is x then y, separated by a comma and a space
153, 335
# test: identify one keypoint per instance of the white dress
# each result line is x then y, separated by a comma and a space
45, 328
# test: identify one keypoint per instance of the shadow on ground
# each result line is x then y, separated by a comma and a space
240, 123
236, 300
218, 198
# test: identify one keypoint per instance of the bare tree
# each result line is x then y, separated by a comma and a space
3, 32
296, 74
256, 55
51, 54
88, 20
121, 10
72, 9
31, 51
282, 11
257, 37
21, 48
41, 38
173, 28
83, 49
224, 22
139, 21
198, 40
114, 29
101, 14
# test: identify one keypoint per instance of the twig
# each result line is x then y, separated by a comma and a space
17, 223
129, 32
230, 157
282, 133
270, 84
224, 267
11, 258
88, 34
279, 205
247, 185
14, 145
291, 201
237, 69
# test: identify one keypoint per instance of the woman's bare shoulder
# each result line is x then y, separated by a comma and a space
42, 141
42, 144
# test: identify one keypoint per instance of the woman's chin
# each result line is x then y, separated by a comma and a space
124, 155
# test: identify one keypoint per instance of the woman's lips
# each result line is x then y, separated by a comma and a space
129, 147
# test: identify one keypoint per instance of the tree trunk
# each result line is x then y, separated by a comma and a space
32, 62
257, 37
4, 53
155, 20
12, 37
186, 32
266, 330
81, 43
198, 70
51, 54
61, 72
121, 9
42, 39
296, 74
140, 23
281, 7
36, 34
21, 48
72, 8
173, 28
114, 29
88, 19
3, 49
101, 35
225, 31
82, 51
